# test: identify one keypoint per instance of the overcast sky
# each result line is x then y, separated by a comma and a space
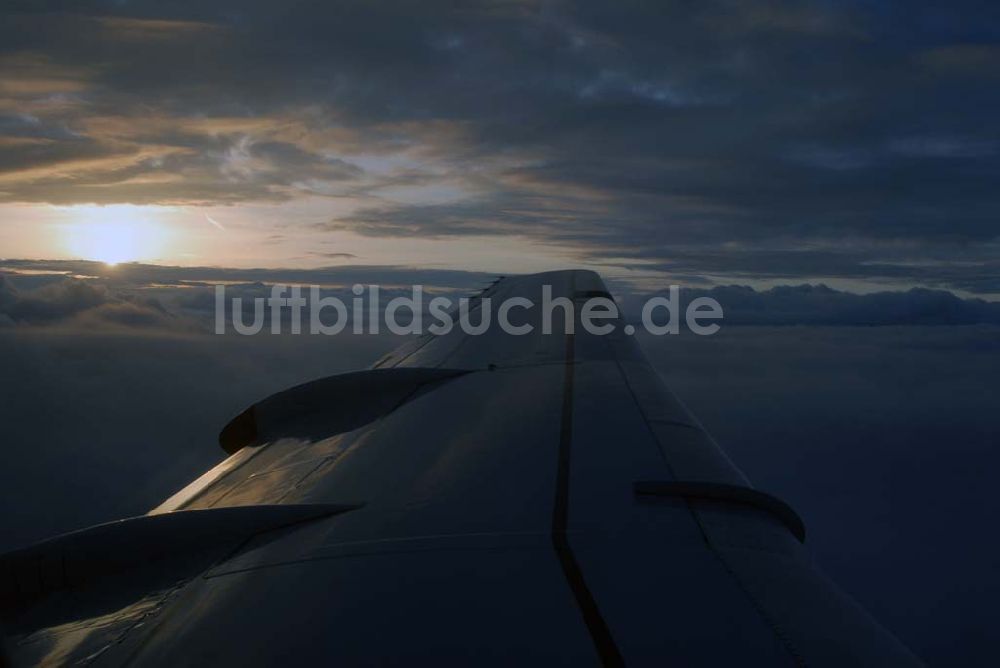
764, 142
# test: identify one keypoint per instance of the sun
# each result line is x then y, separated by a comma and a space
115, 233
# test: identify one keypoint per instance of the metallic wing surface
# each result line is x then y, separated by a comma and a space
492, 499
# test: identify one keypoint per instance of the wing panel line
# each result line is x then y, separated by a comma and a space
600, 634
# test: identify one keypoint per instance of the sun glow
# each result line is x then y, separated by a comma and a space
116, 233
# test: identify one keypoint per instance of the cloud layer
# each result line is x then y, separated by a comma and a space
635, 133
75, 294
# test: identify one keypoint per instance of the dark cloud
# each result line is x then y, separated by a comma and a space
334, 256
631, 128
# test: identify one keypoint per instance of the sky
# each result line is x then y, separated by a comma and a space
851, 143
826, 170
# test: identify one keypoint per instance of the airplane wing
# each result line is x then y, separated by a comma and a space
491, 499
